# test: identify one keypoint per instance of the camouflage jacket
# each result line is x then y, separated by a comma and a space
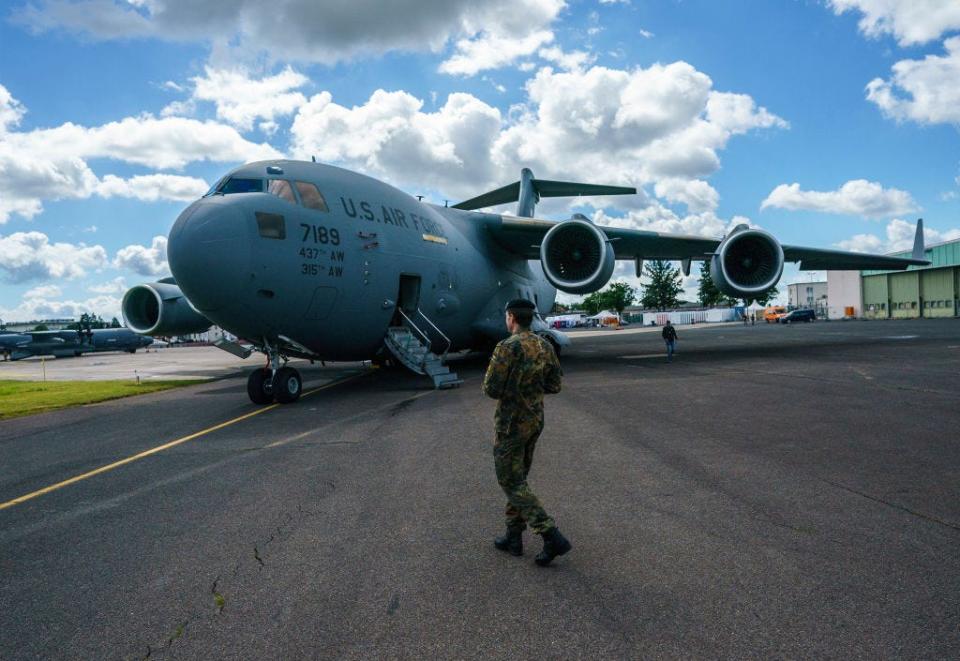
522, 368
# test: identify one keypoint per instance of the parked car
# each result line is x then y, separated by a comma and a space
798, 315
773, 313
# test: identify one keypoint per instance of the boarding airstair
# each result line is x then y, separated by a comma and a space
413, 348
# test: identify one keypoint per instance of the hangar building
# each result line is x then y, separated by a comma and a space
924, 291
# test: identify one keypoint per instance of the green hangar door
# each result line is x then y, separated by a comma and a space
937, 286
905, 295
876, 297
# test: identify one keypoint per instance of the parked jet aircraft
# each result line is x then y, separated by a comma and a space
10, 342
314, 261
67, 343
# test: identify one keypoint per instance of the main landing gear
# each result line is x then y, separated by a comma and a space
274, 383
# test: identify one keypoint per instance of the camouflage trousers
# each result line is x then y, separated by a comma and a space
512, 457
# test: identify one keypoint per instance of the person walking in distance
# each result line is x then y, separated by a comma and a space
669, 335
522, 368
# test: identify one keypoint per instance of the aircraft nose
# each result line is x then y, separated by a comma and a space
209, 251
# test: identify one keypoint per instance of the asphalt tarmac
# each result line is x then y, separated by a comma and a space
172, 362
775, 492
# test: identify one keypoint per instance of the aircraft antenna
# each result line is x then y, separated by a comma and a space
313, 158
419, 198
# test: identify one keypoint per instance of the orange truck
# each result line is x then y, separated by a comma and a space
773, 313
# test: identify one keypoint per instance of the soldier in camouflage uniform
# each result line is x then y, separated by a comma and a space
523, 367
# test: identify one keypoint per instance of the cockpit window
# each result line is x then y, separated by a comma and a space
311, 197
240, 185
281, 188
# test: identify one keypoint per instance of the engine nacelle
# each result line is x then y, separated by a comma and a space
576, 257
747, 263
160, 308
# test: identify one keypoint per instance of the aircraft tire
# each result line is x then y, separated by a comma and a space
259, 386
287, 385
555, 345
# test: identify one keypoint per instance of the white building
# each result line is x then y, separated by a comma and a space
844, 295
808, 295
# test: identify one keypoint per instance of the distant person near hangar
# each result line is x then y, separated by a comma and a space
669, 334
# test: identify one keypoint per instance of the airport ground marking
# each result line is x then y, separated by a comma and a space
160, 448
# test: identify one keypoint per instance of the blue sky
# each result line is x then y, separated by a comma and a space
829, 123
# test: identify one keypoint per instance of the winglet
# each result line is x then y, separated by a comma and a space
918, 248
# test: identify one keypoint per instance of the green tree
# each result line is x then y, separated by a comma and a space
765, 298
88, 321
708, 293
40, 327
618, 296
115, 323
664, 286
592, 303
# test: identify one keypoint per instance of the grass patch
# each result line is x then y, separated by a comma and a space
28, 397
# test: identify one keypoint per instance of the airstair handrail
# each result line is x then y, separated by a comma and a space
416, 328
434, 326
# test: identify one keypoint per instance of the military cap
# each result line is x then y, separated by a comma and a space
520, 304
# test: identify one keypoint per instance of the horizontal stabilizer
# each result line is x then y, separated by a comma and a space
529, 190
509, 193
571, 189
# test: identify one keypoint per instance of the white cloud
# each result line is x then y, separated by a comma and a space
26, 256
925, 91
858, 197
698, 195
116, 286
660, 124
326, 32
143, 260
912, 22
153, 187
738, 113
899, 237
11, 111
51, 164
491, 51
569, 61
37, 308
43, 291
241, 99
391, 136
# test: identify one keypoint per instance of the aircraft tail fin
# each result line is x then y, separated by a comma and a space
528, 191
918, 247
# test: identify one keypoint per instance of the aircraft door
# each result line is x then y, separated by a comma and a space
408, 297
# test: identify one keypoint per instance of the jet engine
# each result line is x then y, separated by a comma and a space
747, 263
576, 256
160, 308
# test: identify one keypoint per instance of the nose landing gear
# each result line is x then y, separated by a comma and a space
274, 383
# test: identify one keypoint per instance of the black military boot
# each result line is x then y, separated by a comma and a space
554, 544
512, 542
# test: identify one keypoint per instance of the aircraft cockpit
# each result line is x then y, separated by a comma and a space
307, 194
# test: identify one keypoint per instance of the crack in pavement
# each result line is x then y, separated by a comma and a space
919, 515
217, 592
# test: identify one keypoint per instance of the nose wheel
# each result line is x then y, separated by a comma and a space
265, 387
273, 382
287, 385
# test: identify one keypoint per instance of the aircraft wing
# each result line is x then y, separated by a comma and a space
522, 236
817, 259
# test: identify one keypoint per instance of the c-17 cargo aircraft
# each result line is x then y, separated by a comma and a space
314, 261
66, 343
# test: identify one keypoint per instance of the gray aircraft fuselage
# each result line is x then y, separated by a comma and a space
71, 343
263, 267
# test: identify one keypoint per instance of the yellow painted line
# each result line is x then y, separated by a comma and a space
159, 448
